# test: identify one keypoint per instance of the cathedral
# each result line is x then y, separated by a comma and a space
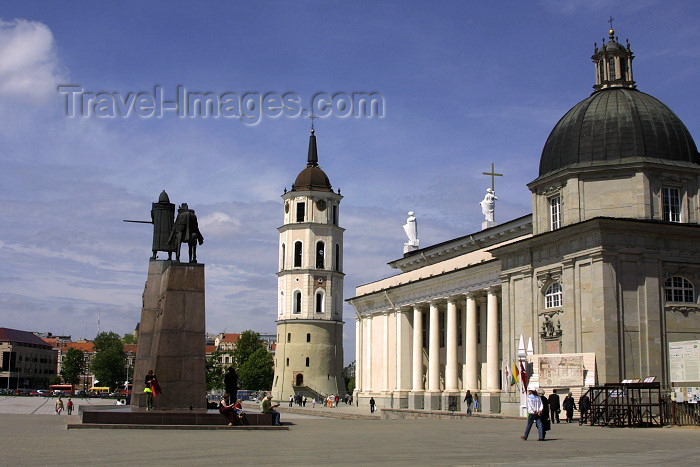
599, 279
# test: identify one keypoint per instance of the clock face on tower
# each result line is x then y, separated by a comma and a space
321, 205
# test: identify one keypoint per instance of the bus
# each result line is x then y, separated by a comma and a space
62, 389
99, 390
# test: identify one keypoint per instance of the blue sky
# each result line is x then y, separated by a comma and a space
464, 84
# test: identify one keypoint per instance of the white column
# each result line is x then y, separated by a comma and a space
358, 353
451, 355
368, 353
471, 349
492, 345
417, 349
385, 321
399, 354
434, 349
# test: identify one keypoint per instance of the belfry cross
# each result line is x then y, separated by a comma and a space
611, 21
493, 175
312, 116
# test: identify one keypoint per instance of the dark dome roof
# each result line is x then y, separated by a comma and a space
617, 125
312, 178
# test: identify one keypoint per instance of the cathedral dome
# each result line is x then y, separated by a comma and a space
312, 179
616, 125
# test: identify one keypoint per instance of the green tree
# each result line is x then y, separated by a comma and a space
55, 380
109, 362
215, 375
129, 339
247, 345
258, 370
72, 366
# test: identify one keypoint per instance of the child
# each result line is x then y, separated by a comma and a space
69, 406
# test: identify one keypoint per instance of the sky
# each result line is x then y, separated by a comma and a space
87, 138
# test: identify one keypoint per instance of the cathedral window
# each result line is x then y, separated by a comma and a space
671, 204
307, 361
289, 337
297, 302
319, 302
320, 247
337, 257
553, 296
613, 76
308, 337
297, 254
288, 362
555, 212
301, 212
679, 289
601, 70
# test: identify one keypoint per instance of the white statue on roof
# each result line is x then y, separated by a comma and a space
411, 229
488, 205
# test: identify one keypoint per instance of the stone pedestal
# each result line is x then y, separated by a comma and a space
172, 336
490, 402
432, 400
415, 400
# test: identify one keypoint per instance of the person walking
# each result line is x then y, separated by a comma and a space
59, 405
546, 421
468, 399
371, 404
554, 406
69, 406
584, 405
569, 406
534, 410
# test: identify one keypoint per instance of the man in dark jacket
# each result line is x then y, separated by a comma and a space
554, 405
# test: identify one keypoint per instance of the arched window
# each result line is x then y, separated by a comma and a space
308, 337
284, 250
287, 362
552, 297
307, 361
301, 212
679, 289
297, 254
297, 302
319, 302
320, 246
289, 337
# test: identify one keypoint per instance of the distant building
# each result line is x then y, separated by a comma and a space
27, 361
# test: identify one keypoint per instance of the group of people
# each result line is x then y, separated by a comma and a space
59, 406
233, 411
471, 401
542, 411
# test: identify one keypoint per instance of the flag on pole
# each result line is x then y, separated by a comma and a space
514, 375
524, 376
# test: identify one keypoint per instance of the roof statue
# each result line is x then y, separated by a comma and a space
411, 229
186, 230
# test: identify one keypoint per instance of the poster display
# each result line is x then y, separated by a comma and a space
562, 370
684, 361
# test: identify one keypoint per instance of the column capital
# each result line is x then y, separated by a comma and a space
474, 294
494, 289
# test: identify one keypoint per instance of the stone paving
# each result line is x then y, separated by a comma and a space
30, 435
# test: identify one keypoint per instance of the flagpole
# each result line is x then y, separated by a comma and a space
522, 355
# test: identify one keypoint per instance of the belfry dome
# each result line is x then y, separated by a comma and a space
617, 125
312, 178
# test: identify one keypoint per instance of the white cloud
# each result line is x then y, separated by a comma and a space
28, 63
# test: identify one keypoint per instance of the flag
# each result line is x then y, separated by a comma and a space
514, 375
507, 378
524, 376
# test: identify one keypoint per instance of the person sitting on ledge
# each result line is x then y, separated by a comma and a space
269, 408
227, 410
238, 407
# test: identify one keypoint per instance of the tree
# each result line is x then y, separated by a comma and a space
247, 345
215, 377
258, 370
72, 366
109, 362
129, 339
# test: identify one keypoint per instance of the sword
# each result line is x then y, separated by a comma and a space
139, 222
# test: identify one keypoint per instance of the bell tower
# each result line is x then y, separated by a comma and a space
309, 352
